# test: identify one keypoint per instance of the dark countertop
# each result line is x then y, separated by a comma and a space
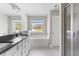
6, 46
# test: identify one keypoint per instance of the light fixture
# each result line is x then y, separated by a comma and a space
14, 7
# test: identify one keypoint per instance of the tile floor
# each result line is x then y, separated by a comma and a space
44, 51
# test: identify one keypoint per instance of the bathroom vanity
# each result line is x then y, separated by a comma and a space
18, 46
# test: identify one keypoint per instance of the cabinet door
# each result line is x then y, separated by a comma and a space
18, 53
24, 47
29, 42
27, 47
19, 49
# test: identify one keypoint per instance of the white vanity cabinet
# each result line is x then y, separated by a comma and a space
27, 45
24, 47
20, 49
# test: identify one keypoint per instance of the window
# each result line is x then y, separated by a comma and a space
37, 25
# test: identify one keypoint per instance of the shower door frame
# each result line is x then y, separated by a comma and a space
63, 30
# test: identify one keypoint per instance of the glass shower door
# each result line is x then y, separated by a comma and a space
76, 29
71, 29
67, 30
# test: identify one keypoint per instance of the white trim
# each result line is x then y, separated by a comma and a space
71, 29
60, 30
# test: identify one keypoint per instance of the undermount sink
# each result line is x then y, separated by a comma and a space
17, 39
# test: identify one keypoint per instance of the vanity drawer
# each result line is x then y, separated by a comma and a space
20, 44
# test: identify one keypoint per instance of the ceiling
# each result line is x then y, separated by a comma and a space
28, 8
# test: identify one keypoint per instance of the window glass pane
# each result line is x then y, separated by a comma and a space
37, 25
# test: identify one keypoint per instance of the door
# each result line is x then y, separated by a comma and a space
67, 30
71, 29
55, 30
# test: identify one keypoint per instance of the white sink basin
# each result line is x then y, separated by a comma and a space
17, 39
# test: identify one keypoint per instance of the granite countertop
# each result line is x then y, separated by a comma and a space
5, 46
